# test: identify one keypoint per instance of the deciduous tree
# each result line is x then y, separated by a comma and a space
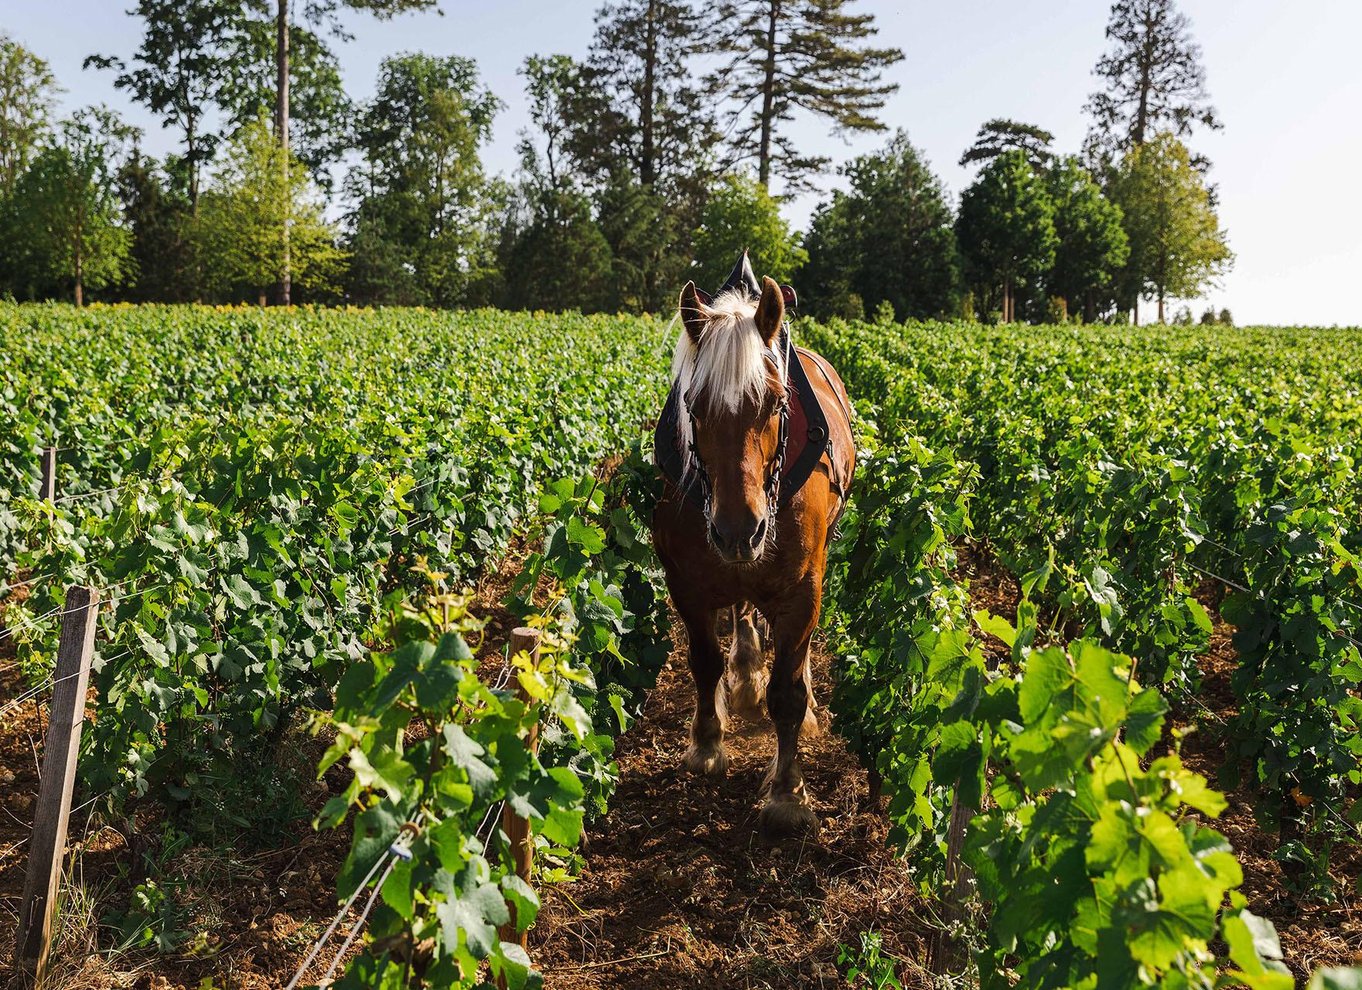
1177, 248
740, 214
65, 214
422, 231
27, 90
254, 198
178, 72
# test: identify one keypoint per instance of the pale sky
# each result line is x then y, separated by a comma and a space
1284, 77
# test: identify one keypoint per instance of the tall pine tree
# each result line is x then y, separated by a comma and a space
782, 56
1153, 80
639, 106
644, 137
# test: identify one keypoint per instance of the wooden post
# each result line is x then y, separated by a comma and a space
523, 640
47, 845
48, 492
942, 953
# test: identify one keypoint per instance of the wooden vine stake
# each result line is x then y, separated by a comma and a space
517, 829
47, 844
49, 482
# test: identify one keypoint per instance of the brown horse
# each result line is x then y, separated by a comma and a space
729, 537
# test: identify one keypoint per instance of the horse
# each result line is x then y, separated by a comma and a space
748, 504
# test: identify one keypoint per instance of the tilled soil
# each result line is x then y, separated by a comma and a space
680, 891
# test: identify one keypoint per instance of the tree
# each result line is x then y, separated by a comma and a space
179, 71
1177, 248
890, 236
422, 232
64, 215
1006, 228
254, 199
738, 214
1091, 245
639, 106
317, 12
999, 136
157, 212
787, 55
553, 254
1153, 77
27, 90
320, 130
559, 260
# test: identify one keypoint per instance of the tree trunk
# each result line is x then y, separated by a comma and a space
1141, 121
281, 130
1137, 309
647, 167
768, 96
1160, 307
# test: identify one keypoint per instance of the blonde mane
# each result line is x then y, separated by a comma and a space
725, 368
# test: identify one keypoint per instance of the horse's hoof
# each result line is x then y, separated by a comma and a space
788, 818
707, 761
747, 697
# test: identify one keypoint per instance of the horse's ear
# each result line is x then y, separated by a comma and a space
771, 310
694, 312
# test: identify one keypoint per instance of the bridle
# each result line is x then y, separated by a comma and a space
776, 466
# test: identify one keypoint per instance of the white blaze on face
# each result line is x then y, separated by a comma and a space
726, 367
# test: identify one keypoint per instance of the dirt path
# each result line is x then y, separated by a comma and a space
680, 892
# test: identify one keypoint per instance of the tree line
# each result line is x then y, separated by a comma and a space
650, 160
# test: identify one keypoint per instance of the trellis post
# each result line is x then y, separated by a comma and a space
47, 844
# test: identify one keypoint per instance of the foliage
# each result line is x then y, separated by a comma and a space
784, 56
27, 91
421, 229
867, 965
1154, 80
179, 71
1006, 228
320, 112
64, 216
1177, 247
890, 236
999, 136
1091, 247
434, 750
740, 215
267, 496
260, 215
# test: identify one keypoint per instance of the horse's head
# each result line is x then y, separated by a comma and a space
733, 386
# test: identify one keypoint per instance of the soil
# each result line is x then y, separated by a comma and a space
679, 890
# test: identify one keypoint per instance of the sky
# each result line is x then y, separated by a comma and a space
1283, 77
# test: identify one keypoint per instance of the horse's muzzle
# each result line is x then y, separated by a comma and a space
741, 545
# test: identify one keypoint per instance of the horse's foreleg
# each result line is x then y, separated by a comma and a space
747, 676
788, 808
706, 753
